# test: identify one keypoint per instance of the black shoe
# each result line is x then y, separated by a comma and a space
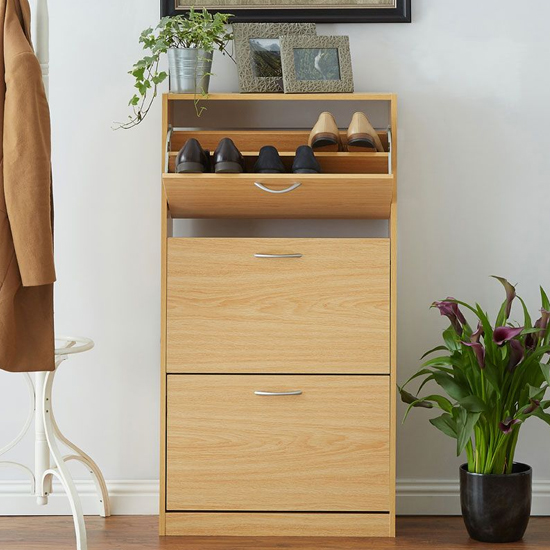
305, 161
192, 158
269, 161
227, 158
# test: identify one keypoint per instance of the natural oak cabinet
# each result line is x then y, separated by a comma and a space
325, 449
278, 355
278, 305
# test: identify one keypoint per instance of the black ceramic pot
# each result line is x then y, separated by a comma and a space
496, 508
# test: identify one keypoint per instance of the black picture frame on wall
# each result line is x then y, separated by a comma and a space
401, 13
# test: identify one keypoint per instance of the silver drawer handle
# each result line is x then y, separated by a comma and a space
278, 393
295, 185
277, 255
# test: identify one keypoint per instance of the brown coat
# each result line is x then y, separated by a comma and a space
26, 244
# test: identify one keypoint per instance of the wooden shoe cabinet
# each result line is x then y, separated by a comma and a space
278, 354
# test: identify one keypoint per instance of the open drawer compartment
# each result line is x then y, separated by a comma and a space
279, 196
249, 142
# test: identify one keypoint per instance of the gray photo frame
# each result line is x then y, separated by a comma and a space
316, 64
257, 48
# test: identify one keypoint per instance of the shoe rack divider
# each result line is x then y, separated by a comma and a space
351, 186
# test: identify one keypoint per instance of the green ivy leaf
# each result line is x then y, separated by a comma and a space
138, 73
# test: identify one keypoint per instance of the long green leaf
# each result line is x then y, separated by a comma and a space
539, 413
442, 402
544, 298
421, 372
446, 424
527, 323
465, 429
501, 317
530, 331
425, 381
438, 348
545, 371
535, 392
418, 403
442, 360
450, 385
473, 404
451, 339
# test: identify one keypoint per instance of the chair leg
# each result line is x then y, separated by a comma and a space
19, 437
61, 470
93, 468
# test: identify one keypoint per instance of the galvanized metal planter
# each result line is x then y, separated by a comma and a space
189, 70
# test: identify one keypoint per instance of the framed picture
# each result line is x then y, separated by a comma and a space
313, 64
300, 11
258, 53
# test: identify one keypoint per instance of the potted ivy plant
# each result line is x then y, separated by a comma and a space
189, 41
492, 378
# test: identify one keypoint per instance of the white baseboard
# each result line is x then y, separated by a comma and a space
414, 497
127, 498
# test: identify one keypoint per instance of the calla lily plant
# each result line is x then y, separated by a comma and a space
494, 378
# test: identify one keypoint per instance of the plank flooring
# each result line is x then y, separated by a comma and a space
140, 533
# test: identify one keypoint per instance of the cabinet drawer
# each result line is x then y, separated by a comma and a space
326, 449
325, 310
335, 196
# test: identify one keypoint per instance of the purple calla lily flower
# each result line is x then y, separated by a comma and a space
474, 338
531, 340
510, 293
506, 426
535, 404
451, 310
517, 353
501, 335
542, 323
479, 351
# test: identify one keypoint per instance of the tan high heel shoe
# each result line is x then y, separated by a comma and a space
325, 135
362, 136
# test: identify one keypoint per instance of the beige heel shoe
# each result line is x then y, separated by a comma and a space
362, 136
325, 135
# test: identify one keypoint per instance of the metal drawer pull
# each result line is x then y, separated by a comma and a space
277, 255
278, 393
295, 185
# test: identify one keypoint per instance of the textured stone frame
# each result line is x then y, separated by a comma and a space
294, 86
243, 32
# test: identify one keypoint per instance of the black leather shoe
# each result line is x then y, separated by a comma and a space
227, 158
305, 161
269, 161
192, 158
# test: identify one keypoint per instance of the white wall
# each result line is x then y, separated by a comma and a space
473, 80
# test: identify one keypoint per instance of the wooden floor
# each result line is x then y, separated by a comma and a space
140, 532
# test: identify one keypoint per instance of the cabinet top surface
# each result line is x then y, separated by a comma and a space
285, 97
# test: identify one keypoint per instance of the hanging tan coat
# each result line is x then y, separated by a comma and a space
26, 244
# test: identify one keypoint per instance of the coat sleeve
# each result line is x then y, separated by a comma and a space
27, 169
